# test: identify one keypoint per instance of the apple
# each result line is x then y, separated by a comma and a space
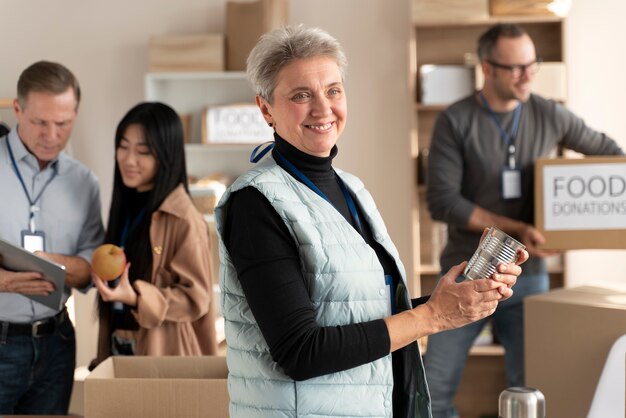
108, 261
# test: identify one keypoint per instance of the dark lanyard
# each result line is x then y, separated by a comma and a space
129, 225
509, 139
304, 179
31, 202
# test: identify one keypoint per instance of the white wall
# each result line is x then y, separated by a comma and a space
597, 87
104, 44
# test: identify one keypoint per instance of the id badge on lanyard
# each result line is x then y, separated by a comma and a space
511, 175
511, 178
33, 240
511, 183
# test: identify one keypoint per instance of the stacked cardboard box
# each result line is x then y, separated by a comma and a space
568, 335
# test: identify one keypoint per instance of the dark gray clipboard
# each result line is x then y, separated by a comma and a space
18, 259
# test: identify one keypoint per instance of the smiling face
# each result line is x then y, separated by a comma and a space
500, 82
309, 107
137, 164
45, 123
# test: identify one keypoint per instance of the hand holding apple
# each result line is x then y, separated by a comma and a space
122, 292
108, 261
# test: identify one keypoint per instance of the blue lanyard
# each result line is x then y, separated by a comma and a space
256, 156
129, 225
304, 179
509, 139
31, 202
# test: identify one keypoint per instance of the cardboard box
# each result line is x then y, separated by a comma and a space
581, 203
445, 84
151, 387
187, 53
246, 21
425, 11
549, 82
528, 7
568, 335
235, 124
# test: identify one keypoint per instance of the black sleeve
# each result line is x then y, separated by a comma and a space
419, 301
268, 266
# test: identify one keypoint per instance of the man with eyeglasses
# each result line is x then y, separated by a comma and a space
480, 174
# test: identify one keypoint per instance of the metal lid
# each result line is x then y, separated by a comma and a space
521, 402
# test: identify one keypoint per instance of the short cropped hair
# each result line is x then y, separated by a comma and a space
488, 40
46, 77
276, 49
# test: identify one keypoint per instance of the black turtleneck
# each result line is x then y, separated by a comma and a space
269, 269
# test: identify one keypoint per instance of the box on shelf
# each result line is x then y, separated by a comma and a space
529, 7
246, 21
425, 11
444, 84
205, 195
235, 124
581, 203
185, 120
549, 82
187, 53
147, 387
568, 335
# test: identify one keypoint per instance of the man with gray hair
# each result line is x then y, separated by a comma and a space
52, 208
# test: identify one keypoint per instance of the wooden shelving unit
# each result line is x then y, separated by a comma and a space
445, 42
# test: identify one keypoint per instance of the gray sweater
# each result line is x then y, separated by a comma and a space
467, 156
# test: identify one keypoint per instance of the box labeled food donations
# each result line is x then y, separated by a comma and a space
152, 387
568, 334
236, 123
581, 203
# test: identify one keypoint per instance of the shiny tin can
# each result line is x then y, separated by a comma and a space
497, 247
521, 402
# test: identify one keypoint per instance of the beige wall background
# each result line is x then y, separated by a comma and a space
104, 43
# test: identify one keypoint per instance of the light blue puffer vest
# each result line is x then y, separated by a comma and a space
346, 285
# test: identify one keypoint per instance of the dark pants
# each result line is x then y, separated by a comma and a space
37, 373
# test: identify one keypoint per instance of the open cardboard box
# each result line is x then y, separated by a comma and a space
152, 387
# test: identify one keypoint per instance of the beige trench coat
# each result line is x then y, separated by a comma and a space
175, 307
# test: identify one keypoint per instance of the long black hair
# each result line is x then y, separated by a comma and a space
163, 134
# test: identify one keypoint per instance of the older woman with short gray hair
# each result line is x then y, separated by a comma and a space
317, 312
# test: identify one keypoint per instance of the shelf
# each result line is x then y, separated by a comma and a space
190, 93
487, 350
429, 269
431, 107
6, 103
197, 75
492, 350
488, 21
220, 147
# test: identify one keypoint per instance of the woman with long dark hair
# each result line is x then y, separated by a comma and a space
162, 303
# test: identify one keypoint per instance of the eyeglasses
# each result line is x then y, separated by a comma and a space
519, 69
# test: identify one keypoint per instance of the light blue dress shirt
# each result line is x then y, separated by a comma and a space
69, 214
